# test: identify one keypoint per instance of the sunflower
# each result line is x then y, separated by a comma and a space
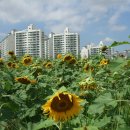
59, 56
92, 68
33, 81
9, 64
44, 63
11, 53
37, 70
86, 67
27, 61
1, 60
14, 65
88, 84
26, 55
104, 62
91, 86
23, 80
62, 106
67, 58
104, 48
72, 61
48, 65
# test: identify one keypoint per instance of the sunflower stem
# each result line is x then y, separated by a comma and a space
60, 128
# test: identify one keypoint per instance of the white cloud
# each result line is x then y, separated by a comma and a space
57, 14
2, 34
101, 33
118, 27
57, 28
107, 40
113, 21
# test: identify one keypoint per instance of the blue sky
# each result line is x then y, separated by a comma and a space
94, 20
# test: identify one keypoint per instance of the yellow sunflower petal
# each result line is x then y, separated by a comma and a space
62, 106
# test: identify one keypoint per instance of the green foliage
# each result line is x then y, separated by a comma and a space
118, 43
105, 91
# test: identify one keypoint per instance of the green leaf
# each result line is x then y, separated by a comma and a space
75, 121
79, 128
117, 64
92, 128
96, 108
106, 99
100, 72
100, 102
102, 122
118, 43
43, 85
31, 112
16, 99
3, 125
124, 128
119, 119
43, 124
22, 94
29, 125
26, 72
62, 89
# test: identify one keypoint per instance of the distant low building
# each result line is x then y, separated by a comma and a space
84, 53
126, 54
92, 49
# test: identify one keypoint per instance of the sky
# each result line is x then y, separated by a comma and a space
94, 20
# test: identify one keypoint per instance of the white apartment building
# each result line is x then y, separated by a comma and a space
30, 41
33, 41
46, 47
63, 43
92, 49
8, 44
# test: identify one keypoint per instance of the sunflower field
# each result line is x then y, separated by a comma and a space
65, 93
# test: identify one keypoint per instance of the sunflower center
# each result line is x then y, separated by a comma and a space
24, 80
27, 60
67, 58
61, 103
73, 61
9, 64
